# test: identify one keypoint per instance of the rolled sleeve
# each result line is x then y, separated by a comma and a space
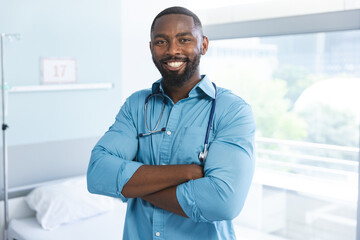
111, 163
229, 168
125, 175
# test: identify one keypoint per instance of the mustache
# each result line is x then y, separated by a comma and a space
174, 58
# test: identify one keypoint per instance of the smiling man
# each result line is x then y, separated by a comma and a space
179, 64
180, 153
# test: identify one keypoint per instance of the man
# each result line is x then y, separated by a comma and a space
150, 156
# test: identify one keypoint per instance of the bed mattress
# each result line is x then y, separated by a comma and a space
108, 226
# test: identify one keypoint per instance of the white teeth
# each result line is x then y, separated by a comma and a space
175, 64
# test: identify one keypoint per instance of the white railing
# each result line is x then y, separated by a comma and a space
311, 168
307, 144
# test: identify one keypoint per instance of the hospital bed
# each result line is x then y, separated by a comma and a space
107, 223
73, 214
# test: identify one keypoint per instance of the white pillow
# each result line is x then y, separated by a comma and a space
66, 202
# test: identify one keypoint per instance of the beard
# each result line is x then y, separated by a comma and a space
173, 78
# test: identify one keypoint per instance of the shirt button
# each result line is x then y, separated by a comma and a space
157, 234
168, 133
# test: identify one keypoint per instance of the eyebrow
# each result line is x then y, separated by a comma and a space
184, 34
161, 35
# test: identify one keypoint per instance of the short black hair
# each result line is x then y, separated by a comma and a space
178, 10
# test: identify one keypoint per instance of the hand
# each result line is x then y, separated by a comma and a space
196, 171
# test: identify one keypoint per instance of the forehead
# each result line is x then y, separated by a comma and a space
173, 24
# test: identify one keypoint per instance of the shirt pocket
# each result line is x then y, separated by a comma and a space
189, 144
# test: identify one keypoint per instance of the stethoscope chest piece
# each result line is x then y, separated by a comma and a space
203, 154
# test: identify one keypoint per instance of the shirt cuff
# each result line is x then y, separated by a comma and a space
125, 176
186, 199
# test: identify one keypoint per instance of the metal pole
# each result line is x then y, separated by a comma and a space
5, 157
358, 202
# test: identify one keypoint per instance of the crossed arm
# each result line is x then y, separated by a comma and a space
157, 184
214, 193
110, 171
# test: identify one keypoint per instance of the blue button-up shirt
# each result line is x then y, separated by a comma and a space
210, 202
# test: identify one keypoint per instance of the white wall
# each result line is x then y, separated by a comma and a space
84, 30
138, 71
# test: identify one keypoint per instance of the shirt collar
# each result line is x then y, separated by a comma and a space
205, 85
156, 87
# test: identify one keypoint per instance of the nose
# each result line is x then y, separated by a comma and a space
174, 48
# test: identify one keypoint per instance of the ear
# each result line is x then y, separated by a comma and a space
150, 46
205, 45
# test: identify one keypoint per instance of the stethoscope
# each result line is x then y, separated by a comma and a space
203, 154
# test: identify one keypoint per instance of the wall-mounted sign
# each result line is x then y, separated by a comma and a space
58, 70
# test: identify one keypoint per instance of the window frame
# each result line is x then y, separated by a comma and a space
312, 23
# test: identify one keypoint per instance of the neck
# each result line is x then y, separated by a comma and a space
178, 93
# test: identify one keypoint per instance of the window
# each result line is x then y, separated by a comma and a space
304, 92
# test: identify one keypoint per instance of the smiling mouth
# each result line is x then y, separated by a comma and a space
175, 66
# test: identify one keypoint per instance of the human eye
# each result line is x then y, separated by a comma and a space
185, 40
160, 42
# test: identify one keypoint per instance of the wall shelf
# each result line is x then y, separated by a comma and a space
60, 87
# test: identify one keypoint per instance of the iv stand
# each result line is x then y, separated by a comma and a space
4, 126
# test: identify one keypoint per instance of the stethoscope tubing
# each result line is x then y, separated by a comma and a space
158, 122
202, 155
211, 117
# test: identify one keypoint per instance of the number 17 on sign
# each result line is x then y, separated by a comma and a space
58, 70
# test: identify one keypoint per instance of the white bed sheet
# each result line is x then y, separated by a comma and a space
104, 226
